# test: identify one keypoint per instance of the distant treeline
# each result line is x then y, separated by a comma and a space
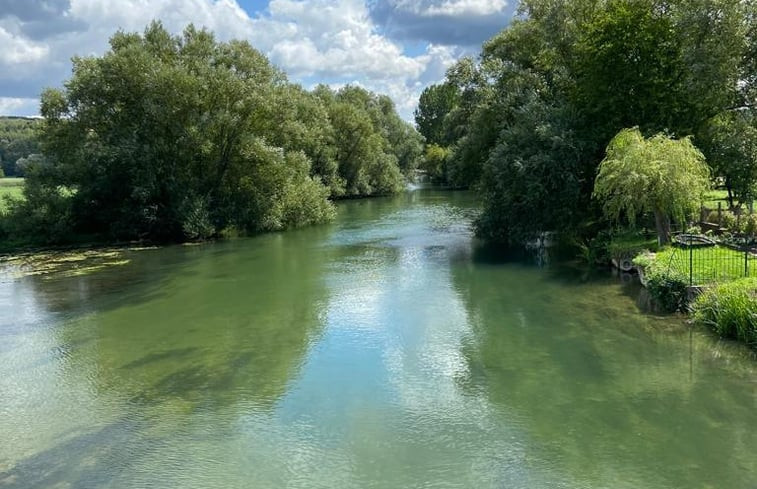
528, 121
18, 141
172, 138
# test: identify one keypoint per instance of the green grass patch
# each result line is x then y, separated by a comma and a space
631, 243
730, 309
11, 182
708, 265
712, 198
11, 187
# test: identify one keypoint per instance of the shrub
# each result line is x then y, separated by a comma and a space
750, 224
667, 288
728, 221
666, 285
730, 309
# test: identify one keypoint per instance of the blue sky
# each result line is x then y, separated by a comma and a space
396, 47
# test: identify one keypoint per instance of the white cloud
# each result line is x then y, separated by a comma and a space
453, 7
334, 41
19, 51
19, 106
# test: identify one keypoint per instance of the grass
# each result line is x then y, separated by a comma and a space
631, 243
709, 265
12, 187
712, 198
730, 309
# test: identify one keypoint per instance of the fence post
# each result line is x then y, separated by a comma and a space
720, 214
746, 261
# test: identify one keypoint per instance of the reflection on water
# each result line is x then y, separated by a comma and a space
385, 350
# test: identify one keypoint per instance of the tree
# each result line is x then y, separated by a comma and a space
567, 76
164, 137
435, 162
664, 176
368, 140
436, 101
18, 139
729, 142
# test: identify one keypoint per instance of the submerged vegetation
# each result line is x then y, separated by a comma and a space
174, 138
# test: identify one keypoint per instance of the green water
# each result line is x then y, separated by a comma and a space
384, 350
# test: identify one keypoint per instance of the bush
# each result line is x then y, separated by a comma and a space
666, 285
728, 220
749, 224
730, 309
667, 288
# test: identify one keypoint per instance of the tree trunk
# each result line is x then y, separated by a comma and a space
662, 221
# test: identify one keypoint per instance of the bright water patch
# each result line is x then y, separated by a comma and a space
375, 352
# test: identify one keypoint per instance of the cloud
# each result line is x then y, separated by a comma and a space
447, 22
19, 106
40, 19
330, 41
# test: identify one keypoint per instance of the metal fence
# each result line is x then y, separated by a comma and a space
701, 264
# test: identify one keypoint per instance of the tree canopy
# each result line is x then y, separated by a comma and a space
181, 137
660, 175
536, 110
18, 140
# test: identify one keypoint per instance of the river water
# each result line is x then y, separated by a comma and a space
384, 350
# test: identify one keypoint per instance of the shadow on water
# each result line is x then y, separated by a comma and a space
87, 460
607, 393
211, 332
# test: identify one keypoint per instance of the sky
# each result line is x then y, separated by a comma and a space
396, 47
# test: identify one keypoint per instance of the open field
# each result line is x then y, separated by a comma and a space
12, 187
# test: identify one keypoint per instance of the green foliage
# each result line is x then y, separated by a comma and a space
729, 141
730, 309
42, 216
668, 289
666, 285
184, 137
548, 93
11, 188
372, 144
749, 225
435, 103
630, 243
530, 181
660, 175
18, 140
727, 220
435, 161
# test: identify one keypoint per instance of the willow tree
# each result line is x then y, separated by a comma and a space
664, 176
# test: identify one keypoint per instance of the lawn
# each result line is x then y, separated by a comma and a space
713, 264
631, 243
712, 198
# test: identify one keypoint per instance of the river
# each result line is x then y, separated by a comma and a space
384, 350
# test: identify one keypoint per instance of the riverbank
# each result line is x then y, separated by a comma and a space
349, 355
710, 283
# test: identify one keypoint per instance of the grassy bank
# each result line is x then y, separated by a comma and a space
728, 304
730, 310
